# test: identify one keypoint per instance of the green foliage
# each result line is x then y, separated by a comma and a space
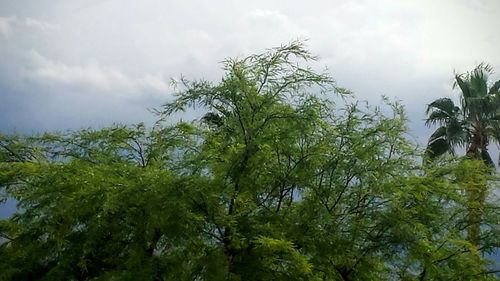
473, 125
274, 182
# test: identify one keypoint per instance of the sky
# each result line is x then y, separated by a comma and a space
69, 64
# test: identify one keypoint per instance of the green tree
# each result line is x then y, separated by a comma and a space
473, 125
274, 181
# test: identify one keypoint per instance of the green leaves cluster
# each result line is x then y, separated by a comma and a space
274, 182
472, 125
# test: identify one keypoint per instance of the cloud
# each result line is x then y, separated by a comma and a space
92, 75
40, 25
267, 17
9, 24
118, 57
5, 26
156, 82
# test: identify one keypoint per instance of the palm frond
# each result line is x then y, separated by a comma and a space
456, 133
438, 147
478, 79
464, 88
438, 134
437, 117
495, 89
479, 115
442, 104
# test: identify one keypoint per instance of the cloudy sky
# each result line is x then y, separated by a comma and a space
67, 64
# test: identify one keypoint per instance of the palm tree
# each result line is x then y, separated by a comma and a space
472, 125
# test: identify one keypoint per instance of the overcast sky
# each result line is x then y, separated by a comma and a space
67, 64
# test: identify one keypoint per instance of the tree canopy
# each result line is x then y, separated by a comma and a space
275, 181
473, 125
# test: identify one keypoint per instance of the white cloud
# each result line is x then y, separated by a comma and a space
266, 17
93, 75
5, 26
259, 29
10, 24
156, 82
40, 25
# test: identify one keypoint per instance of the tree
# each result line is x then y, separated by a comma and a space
473, 125
274, 182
